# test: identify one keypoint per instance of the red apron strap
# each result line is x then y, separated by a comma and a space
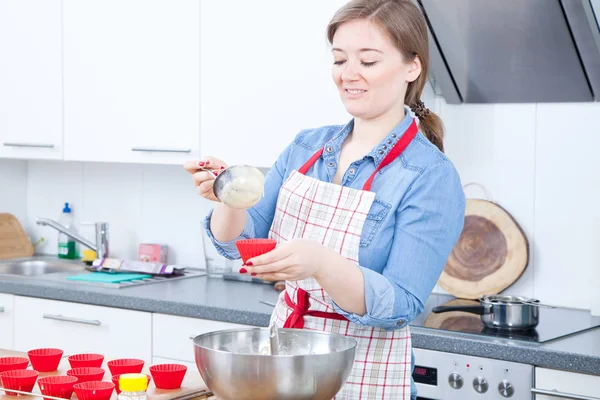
398, 148
296, 318
311, 161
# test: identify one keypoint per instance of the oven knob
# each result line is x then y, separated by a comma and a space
480, 384
506, 388
455, 380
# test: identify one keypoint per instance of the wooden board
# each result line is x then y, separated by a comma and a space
191, 383
14, 242
456, 320
490, 255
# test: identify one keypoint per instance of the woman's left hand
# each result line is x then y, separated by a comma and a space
292, 261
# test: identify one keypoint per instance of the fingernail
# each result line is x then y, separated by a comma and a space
207, 162
215, 173
253, 274
201, 163
222, 167
243, 270
249, 264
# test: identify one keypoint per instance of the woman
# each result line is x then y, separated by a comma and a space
366, 214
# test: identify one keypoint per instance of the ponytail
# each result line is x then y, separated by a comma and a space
430, 124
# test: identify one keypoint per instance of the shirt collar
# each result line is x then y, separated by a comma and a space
378, 153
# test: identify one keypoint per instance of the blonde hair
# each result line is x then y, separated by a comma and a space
406, 26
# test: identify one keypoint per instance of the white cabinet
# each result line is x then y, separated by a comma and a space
6, 321
172, 335
265, 75
131, 80
76, 328
568, 384
30, 79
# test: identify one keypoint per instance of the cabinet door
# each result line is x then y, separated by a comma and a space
569, 385
131, 72
172, 335
265, 75
77, 328
30, 79
6, 321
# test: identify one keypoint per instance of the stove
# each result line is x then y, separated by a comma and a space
554, 323
446, 376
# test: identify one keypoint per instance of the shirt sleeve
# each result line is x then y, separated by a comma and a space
259, 217
428, 224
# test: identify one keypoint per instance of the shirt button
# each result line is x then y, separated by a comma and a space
331, 164
393, 135
389, 141
329, 149
380, 152
384, 147
352, 170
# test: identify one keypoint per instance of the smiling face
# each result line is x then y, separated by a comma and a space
369, 71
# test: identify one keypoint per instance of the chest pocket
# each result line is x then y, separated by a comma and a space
379, 209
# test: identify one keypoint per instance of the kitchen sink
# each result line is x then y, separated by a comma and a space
37, 266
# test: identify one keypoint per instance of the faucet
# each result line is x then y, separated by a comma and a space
101, 245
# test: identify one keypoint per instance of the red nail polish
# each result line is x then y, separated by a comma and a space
243, 270
207, 162
201, 163
215, 173
253, 274
222, 167
249, 264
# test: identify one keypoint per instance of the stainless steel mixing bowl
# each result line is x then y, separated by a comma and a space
236, 364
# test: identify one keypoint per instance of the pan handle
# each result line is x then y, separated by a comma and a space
478, 309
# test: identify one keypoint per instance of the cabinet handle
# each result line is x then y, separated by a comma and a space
160, 150
69, 319
36, 145
561, 395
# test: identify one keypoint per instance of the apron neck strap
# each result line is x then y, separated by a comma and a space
398, 149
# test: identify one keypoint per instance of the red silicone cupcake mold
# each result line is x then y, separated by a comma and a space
57, 386
168, 376
86, 360
12, 363
94, 390
87, 374
45, 360
20, 379
125, 366
249, 248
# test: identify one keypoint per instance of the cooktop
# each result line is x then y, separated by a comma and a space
553, 323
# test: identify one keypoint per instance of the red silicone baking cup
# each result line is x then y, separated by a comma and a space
125, 366
57, 386
115, 380
249, 248
86, 360
87, 374
94, 390
12, 363
20, 379
45, 360
168, 376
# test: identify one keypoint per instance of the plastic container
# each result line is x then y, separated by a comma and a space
12, 363
132, 387
45, 359
249, 248
20, 379
168, 376
115, 380
94, 390
67, 247
57, 386
86, 360
125, 366
87, 374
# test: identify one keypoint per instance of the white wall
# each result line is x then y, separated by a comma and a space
13, 188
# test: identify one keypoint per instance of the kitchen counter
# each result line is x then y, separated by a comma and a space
239, 302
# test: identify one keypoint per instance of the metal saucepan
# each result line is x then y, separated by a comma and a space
503, 312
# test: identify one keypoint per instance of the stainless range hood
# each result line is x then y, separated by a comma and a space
514, 51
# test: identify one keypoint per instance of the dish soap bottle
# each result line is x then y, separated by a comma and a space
67, 247
133, 387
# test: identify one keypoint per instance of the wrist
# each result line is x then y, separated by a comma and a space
329, 259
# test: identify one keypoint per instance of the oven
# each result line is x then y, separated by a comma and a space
448, 376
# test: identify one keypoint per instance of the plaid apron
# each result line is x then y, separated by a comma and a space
334, 215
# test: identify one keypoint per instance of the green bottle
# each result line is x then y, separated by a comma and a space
67, 247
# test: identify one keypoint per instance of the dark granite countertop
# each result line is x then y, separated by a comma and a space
239, 302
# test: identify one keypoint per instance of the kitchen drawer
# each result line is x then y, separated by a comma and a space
76, 327
172, 335
566, 383
6, 321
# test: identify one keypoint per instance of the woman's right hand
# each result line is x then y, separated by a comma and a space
201, 171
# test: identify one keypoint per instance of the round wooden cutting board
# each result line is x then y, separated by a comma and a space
456, 320
490, 255
14, 242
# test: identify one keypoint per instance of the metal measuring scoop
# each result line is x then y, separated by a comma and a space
238, 186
